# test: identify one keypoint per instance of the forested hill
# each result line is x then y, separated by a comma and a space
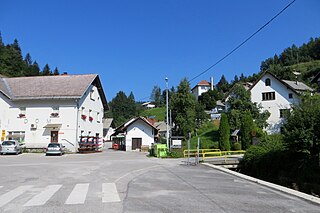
304, 59
13, 64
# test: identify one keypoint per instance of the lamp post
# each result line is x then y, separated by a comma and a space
167, 111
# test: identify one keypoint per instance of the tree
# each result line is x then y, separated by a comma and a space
131, 109
209, 99
239, 102
156, 95
183, 109
28, 60
56, 71
301, 129
246, 130
223, 85
1, 42
122, 107
224, 133
46, 70
201, 115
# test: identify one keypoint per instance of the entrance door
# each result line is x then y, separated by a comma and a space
136, 143
54, 136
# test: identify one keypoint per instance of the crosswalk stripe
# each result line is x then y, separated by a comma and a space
78, 194
44, 196
9, 196
110, 193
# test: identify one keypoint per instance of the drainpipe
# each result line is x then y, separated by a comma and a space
77, 125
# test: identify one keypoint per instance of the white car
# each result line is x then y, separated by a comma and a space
10, 147
55, 149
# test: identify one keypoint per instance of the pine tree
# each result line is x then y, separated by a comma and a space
28, 60
1, 41
46, 70
56, 71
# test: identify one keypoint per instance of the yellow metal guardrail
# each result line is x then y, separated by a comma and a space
211, 153
193, 152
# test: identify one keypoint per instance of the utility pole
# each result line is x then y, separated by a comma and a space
167, 110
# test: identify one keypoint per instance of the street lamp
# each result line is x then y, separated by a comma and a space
167, 120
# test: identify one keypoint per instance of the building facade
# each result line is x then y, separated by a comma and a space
135, 134
277, 96
43, 109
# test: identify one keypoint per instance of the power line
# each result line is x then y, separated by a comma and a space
245, 41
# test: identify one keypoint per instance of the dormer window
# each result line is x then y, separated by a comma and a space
268, 82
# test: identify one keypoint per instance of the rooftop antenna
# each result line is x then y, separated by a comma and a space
296, 74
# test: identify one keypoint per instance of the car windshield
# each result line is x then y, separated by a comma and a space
8, 143
53, 145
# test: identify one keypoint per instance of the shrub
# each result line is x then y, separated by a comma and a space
236, 146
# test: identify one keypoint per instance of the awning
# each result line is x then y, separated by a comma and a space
52, 126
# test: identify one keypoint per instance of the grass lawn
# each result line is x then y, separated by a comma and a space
159, 113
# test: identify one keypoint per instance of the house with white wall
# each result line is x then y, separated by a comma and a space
202, 87
135, 134
277, 96
43, 109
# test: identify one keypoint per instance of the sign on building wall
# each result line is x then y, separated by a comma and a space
3, 135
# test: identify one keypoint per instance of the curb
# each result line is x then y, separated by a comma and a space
268, 184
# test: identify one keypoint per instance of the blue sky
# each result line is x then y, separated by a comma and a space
134, 44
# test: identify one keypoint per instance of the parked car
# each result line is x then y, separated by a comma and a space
55, 149
10, 147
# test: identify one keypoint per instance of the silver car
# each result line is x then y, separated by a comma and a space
55, 149
10, 147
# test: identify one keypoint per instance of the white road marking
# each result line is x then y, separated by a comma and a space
110, 193
44, 196
78, 194
9, 196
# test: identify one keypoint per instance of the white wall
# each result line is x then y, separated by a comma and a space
139, 129
198, 90
38, 112
86, 127
281, 101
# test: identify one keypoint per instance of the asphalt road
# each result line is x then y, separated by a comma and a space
114, 181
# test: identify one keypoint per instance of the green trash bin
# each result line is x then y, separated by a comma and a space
160, 150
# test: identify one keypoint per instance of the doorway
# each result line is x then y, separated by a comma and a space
136, 143
54, 137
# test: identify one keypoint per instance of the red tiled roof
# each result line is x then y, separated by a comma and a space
204, 83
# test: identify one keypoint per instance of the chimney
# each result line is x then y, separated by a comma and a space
211, 83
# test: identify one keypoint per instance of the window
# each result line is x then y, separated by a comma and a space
92, 95
268, 82
290, 95
55, 111
284, 113
16, 135
22, 113
98, 117
266, 96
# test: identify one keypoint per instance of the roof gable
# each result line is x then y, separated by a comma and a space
295, 86
126, 125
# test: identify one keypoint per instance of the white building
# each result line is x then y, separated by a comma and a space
43, 109
276, 96
202, 87
136, 134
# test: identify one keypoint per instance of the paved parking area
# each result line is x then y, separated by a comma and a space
114, 181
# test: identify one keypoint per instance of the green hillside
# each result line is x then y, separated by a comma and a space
159, 113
